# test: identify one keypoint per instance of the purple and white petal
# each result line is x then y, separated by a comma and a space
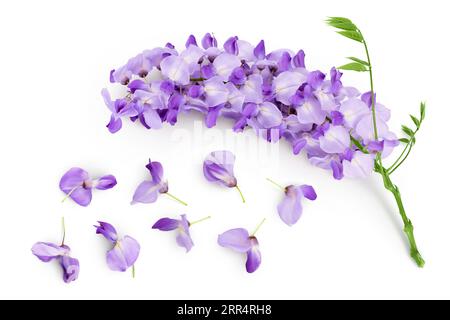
360, 166
184, 238
286, 84
253, 256
236, 239
105, 182
146, 192
216, 92
335, 140
107, 230
71, 268
269, 115
123, 255
47, 251
166, 224
290, 208
176, 69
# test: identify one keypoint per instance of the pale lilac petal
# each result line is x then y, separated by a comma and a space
123, 255
146, 192
310, 113
236, 239
74, 177
107, 99
365, 130
245, 50
71, 268
184, 238
290, 208
230, 45
152, 118
252, 89
219, 167
353, 110
225, 63
192, 56
216, 92
253, 256
335, 140
47, 251
114, 124
82, 196
269, 115
176, 69
105, 182
286, 84
166, 224
360, 166
260, 50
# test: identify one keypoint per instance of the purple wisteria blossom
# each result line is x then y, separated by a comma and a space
149, 190
271, 92
77, 185
241, 241
125, 250
47, 251
181, 226
219, 167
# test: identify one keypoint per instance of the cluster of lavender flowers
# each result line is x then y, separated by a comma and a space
273, 93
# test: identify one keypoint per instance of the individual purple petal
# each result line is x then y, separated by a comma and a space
225, 64
167, 86
107, 99
337, 168
299, 59
298, 145
122, 75
107, 230
216, 92
218, 167
236, 239
238, 76
308, 192
253, 256
284, 63
375, 146
315, 79
192, 56
230, 46
360, 166
166, 224
209, 41
191, 41
335, 140
114, 124
337, 118
245, 50
290, 208
156, 170
139, 65
353, 110
176, 69
252, 89
260, 50
184, 238
336, 84
146, 192
123, 255
365, 130
286, 84
74, 177
207, 71
47, 251
310, 112
71, 268
105, 182
212, 115
269, 115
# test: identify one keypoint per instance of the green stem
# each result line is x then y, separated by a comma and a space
133, 271
408, 147
275, 184
198, 221
257, 228
64, 231
403, 160
176, 199
408, 226
240, 192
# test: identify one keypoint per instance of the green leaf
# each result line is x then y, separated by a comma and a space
339, 19
408, 131
358, 60
358, 144
342, 25
354, 66
415, 120
422, 111
354, 35
404, 140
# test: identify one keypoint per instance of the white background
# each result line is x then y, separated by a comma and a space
55, 58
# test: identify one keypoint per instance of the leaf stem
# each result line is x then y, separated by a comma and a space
133, 271
198, 221
176, 199
240, 192
257, 228
64, 231
275, 184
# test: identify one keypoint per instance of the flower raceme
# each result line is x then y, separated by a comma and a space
273, 93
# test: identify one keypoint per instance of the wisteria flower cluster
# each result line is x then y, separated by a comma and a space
339, 128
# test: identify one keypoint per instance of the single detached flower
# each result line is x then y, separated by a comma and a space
218, 167
47, 251
77, 185
290, 208
149, 190
125, 250
239, 240
181, 226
